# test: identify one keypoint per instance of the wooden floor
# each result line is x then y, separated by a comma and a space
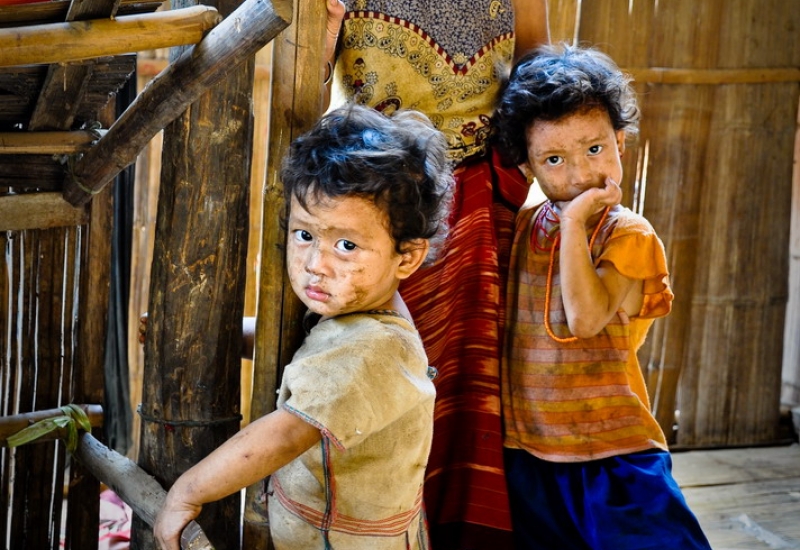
744, 498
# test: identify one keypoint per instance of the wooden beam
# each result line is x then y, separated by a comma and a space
79, 40
135, 487
151, 67
667, 75
39, 211
47, 143
9, 425
80, 10
61, 96
56, 11
237, 38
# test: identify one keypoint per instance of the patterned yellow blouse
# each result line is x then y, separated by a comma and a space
429, 56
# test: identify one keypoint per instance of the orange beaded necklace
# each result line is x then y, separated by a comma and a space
549, 283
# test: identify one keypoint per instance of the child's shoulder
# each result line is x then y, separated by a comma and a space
367, 325
625, 222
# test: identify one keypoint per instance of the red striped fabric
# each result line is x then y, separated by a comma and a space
457, 305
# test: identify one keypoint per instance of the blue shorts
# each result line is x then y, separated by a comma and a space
628, 502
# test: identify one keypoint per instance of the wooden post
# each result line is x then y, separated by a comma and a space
297, 103
190, 401
236, 39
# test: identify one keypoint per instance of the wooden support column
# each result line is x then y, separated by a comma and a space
192, 367
236, 39
297, 103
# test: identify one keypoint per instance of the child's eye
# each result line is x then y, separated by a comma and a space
595, 149
555, 160
346, 245
302, 235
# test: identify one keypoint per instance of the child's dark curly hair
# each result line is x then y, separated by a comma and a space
553, 81
398, 162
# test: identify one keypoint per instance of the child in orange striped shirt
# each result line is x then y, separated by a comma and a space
586, 462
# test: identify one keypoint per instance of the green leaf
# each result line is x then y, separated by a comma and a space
74, 417
79, 415
33, 432
72, 437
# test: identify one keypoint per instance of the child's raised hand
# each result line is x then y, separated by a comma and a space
591, 202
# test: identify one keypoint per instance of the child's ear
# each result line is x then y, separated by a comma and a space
525, 168
621, 141
415, 252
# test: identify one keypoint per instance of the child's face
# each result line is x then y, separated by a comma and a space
341, 257
574, 153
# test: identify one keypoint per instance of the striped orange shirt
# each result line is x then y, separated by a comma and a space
586, 399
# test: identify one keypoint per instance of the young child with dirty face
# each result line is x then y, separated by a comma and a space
586, 462
367, 198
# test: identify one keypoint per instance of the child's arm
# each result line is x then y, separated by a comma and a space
257, 451
592, 296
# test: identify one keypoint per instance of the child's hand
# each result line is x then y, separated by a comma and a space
591, 202
170, 523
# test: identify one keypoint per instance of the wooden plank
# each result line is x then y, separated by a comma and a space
726, 328
39, 211
152, 67
65, 85
730, 466
79, 40
61, 96
48, 143
745, 499
670, 75
237, 38
41, 173
80, 10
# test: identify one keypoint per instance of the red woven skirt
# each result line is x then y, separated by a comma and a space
458, 308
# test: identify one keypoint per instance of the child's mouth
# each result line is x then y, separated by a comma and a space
316, 293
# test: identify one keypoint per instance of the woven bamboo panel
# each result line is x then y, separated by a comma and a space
712, 170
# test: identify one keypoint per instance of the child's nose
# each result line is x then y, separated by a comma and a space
316, 261
582, 173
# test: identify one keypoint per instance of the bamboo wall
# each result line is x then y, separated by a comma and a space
712, 170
